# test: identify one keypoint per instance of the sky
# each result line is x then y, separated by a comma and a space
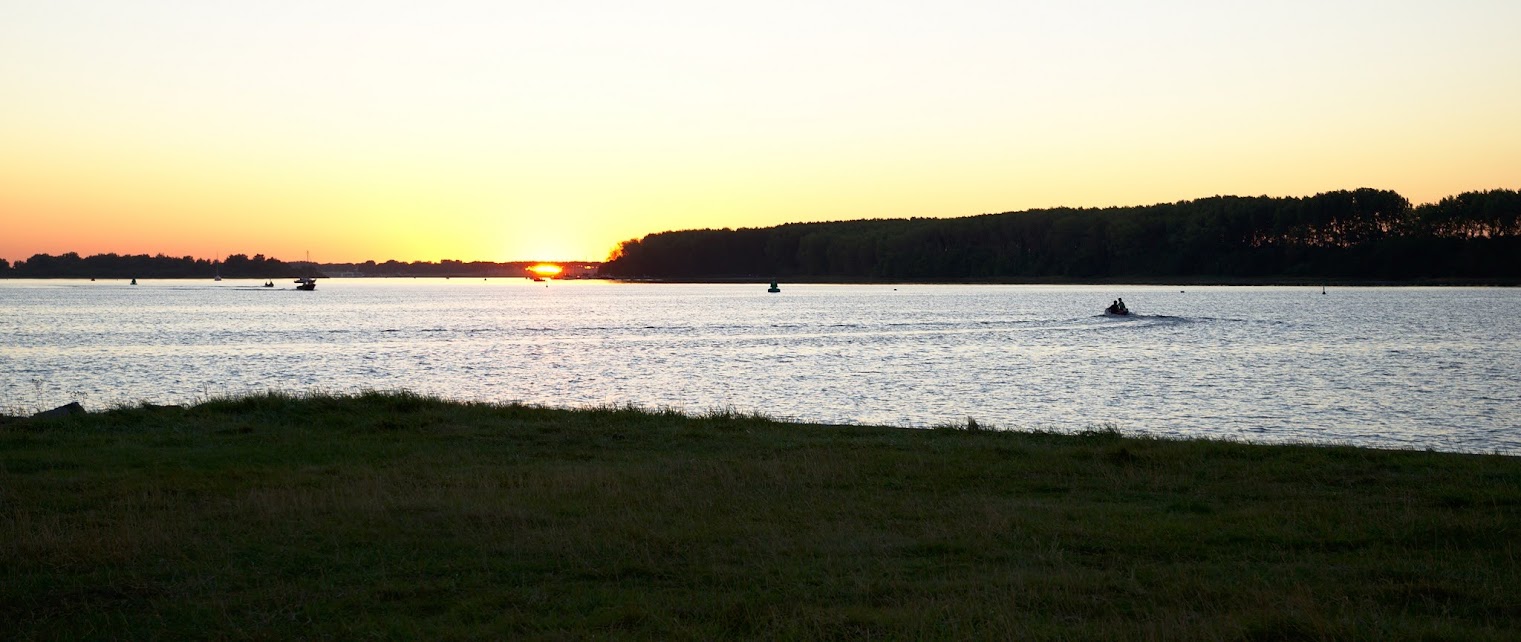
504, 130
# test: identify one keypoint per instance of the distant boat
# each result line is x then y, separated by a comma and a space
269, 284
307, 283
773, 289
1117, 309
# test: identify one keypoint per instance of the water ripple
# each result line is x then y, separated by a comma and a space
1397, 368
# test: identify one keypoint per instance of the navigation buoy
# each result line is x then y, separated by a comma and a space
773, 289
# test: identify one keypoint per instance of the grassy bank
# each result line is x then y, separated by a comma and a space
405, 517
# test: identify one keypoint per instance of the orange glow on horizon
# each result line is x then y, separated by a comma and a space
546, 270
119, 140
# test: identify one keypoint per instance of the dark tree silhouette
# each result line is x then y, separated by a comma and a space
1364, 234
71, 265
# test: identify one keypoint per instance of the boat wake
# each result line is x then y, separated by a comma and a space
1136, 315
1147, 319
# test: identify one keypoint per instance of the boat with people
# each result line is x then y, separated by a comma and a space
1117, 309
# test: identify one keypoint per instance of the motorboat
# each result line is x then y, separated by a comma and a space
307, 283
1117, 309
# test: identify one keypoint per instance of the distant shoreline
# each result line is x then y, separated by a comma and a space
1169, 281
1148, 281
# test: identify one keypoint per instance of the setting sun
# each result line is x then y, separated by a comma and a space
545, 269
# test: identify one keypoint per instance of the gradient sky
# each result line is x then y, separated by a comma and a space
498, 131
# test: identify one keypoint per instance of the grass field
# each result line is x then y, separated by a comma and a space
398, 516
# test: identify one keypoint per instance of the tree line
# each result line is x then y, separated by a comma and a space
1359, 234
143, 266
444, 268
115, 266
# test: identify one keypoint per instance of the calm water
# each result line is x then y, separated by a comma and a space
1388, 367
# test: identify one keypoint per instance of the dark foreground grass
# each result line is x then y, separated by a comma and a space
396, 516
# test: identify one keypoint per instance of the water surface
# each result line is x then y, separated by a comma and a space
1386, 367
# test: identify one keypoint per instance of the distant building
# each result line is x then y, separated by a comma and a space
579, 270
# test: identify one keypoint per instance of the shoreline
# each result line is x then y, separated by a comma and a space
1115, 281
1190, 281
10, 419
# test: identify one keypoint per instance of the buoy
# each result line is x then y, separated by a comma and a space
773, 289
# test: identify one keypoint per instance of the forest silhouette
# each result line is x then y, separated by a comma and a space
72, 265
143, 266
1360, 234
1364, 234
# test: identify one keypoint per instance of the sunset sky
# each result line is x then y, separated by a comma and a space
492, 130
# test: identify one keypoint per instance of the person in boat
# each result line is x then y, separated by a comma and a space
1121, 303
